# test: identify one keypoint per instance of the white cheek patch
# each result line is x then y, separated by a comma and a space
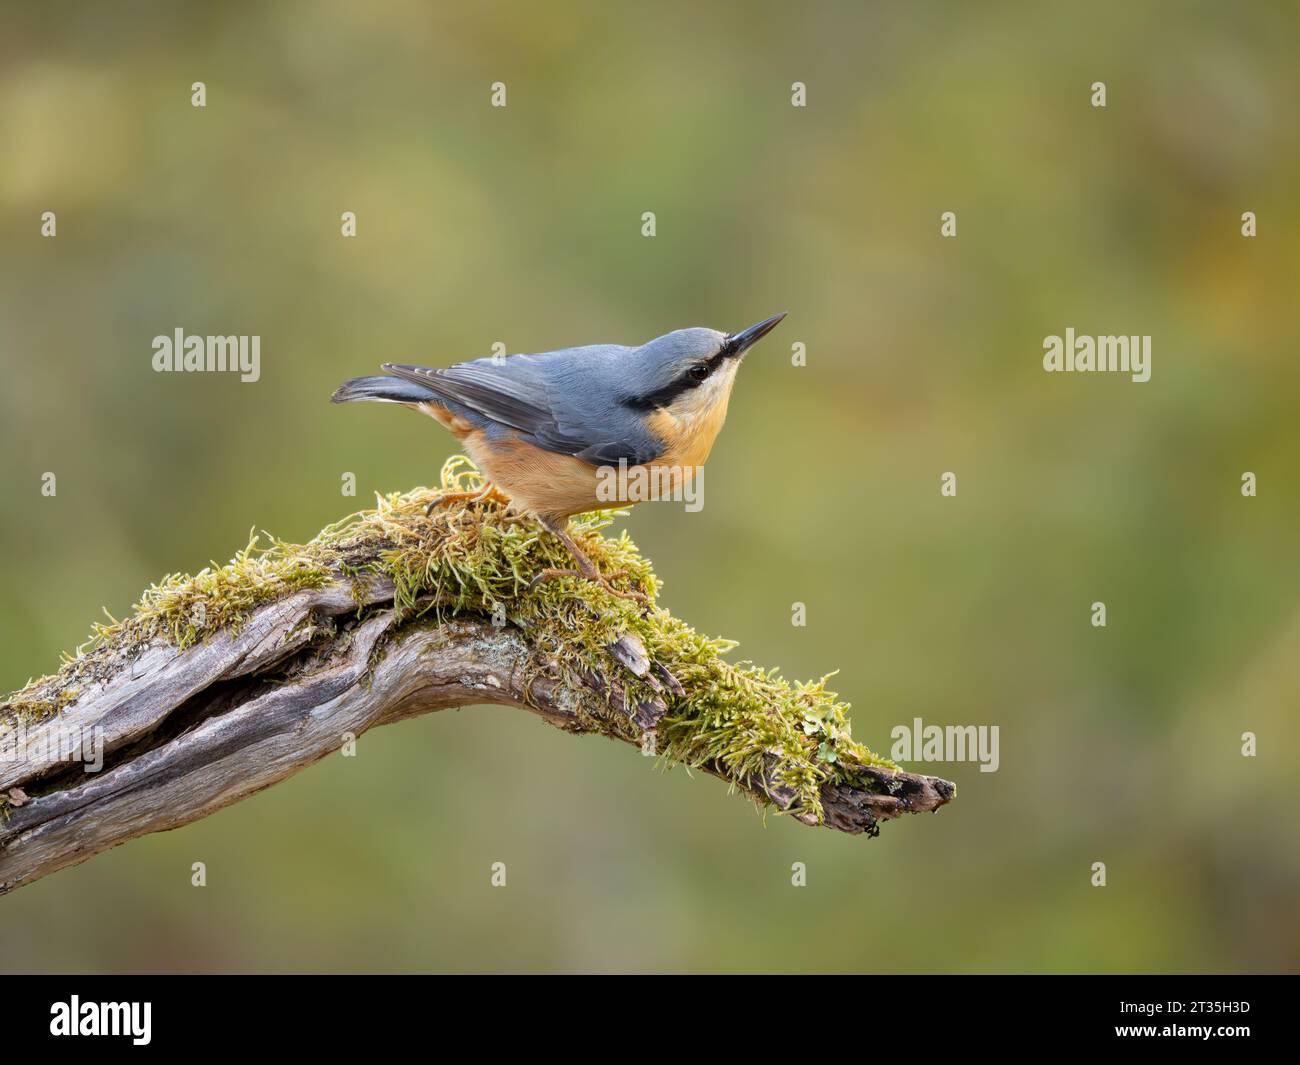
701, 402
719, 385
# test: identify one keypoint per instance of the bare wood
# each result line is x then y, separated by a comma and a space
186, 733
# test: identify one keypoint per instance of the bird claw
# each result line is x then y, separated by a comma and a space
604, 580
479, 495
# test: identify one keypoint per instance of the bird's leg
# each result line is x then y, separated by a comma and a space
488, 491
586, 570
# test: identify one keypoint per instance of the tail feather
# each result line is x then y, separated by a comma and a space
383, 390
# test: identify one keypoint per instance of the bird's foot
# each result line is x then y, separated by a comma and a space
596, 577
479, 495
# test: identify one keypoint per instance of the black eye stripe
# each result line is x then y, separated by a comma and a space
684, 383
716, 360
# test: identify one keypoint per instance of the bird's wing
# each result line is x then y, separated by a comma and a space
497, 397
547, 401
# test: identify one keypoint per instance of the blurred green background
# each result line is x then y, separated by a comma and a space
522, 225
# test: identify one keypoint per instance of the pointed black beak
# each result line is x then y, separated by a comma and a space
739, 343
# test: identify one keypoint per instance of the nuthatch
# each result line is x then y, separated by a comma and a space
541, 427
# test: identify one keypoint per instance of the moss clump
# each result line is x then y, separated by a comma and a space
31, 704
179, 609
475, 558
182, 609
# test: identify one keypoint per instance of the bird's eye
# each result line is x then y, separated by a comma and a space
700, 371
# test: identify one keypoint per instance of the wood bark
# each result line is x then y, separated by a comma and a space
187, 732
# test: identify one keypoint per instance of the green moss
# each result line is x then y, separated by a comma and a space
182, 609
474, 558
31, 704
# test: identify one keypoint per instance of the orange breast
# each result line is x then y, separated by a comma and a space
690, 436
538, 481
555, 487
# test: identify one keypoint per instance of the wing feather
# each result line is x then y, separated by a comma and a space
518, 392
